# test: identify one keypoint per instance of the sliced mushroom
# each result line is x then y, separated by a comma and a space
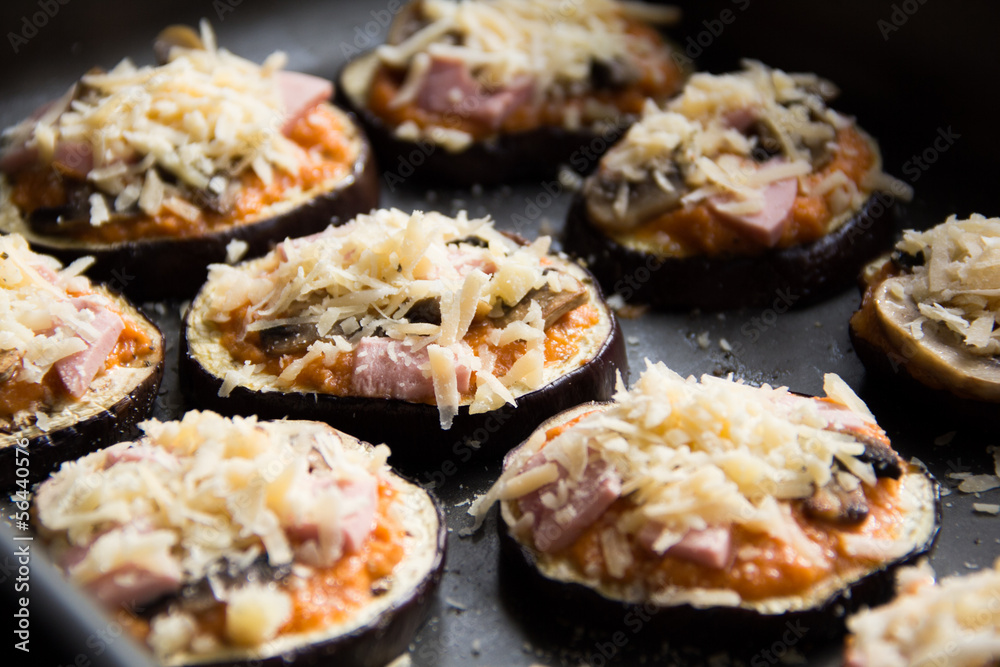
644, 200
288, 339
175, 35
611, 74
836, 504
426, 310
881, 456
938, 356
553, 304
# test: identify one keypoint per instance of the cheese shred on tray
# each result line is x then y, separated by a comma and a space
713, 492
418, 307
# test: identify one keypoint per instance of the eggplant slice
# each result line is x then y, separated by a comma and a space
524, 156
934, 369
744, 190
547, 591
376, 633
794, 276
412, 429
502, 157
164, 268
117, 401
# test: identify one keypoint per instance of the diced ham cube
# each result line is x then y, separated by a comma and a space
589, 497
78, 370
300, 93
361, 496
387, 368
766, 226
449, 87
132, 585
710, 547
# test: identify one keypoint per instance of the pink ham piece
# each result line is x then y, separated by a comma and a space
766, 226
360, 497
132, 585
78, 370
710, 547
128, 584
449, 87
300, 93
359, 521
387, 368
589, 497
75, 158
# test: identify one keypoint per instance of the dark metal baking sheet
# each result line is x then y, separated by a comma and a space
919, 75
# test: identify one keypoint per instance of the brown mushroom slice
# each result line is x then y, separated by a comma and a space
175, 35
553, 304
938, 353
643, 200
288, 339
836, 504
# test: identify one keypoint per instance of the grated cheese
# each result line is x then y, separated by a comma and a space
699, 137
958, 285
951, 623
38, 321
204, 117
693, 454
368, 275
206, 488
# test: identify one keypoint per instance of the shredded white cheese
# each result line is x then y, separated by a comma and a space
958, 284
553, 41
369, 275
39, 324
693, 454
951, 623
206, 488
701, 138
204, 117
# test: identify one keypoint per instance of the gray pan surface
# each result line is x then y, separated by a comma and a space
912, 72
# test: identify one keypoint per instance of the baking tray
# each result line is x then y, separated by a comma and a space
919, 75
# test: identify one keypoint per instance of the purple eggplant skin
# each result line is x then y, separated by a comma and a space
377, 643
553, 609
793, 276
46, 452
169, 268
522, 156
413, 430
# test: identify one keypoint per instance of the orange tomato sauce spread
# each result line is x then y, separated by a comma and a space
660, 78
328, 154
562, 341
697, 230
